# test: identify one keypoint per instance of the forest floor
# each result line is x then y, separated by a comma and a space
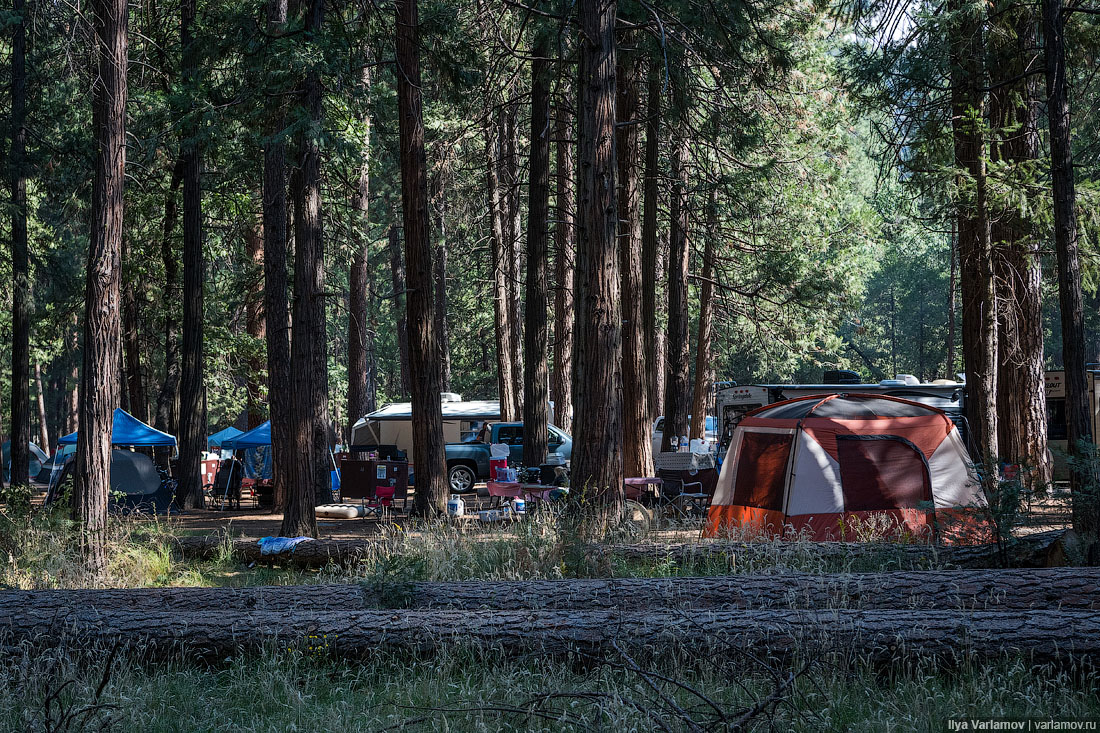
475, 688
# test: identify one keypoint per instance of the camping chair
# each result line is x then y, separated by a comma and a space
227, 484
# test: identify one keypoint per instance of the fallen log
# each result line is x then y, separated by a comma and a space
1045, 549
1039, 636
1053, 588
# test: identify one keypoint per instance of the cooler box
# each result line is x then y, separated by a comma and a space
495, 465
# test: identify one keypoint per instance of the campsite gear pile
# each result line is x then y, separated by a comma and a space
820, 464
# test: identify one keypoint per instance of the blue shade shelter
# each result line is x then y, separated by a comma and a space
219, 438
257, 437
128, 430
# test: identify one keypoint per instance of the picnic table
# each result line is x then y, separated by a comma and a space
516, 489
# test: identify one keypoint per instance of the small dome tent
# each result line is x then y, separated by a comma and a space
816, 463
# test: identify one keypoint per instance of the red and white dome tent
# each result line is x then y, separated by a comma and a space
814, 463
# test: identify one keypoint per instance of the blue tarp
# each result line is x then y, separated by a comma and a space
215, 441
128, 430
257, 437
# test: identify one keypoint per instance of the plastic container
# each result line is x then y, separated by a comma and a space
456, 507
519, 505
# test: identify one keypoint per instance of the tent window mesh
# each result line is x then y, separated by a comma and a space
879, 473
762, 470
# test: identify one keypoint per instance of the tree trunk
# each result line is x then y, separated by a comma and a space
308, 356
133, 384
255, 322
536, 398
276, 306
703, 362
513, 252
72, 406
597, 470
564, 245
20, 260
637, 446
428, 451
397, 268
952, 288
650, 266
676, 380
502, 312
99, 376
359, 386
1025, 589
1086, 508
1021, 396
975, 255
440, 276
43, 430
167, 417
192, 427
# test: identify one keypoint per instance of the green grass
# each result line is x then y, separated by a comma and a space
285, 692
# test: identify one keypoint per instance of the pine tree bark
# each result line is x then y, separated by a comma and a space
1086, 508
703, 361
167, 417
192, 427
43, 429
20, 260
440, 275
597, 470
564, 246
513, 249
359, 386
650, 266
276, 305
99, 376
676, 381
72, 405
536, 398
428, 451
637, 446
1021, 381
952, 289
502, 311
309, 364
138, 403
975, 252
255, 321
397, 270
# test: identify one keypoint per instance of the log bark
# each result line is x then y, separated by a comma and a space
1086, 509
20, 257
192, 426
1052, 588
564, 255
1045, 549
428, 451
637, 446
597, 470
677, 387
99, 389
536, 397
1040, 636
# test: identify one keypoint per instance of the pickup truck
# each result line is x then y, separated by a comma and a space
468, 463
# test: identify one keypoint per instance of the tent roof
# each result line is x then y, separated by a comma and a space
845, 407
221, 436
257, 437
128, 430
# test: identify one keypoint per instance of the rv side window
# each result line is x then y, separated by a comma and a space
1056, 419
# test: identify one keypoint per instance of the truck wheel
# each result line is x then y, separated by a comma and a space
461, 477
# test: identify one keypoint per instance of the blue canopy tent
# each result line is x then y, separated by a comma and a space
215, 441
127, 430
257, 437
132, 474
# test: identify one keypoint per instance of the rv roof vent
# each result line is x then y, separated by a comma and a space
907, 378
450, 397
893, 383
